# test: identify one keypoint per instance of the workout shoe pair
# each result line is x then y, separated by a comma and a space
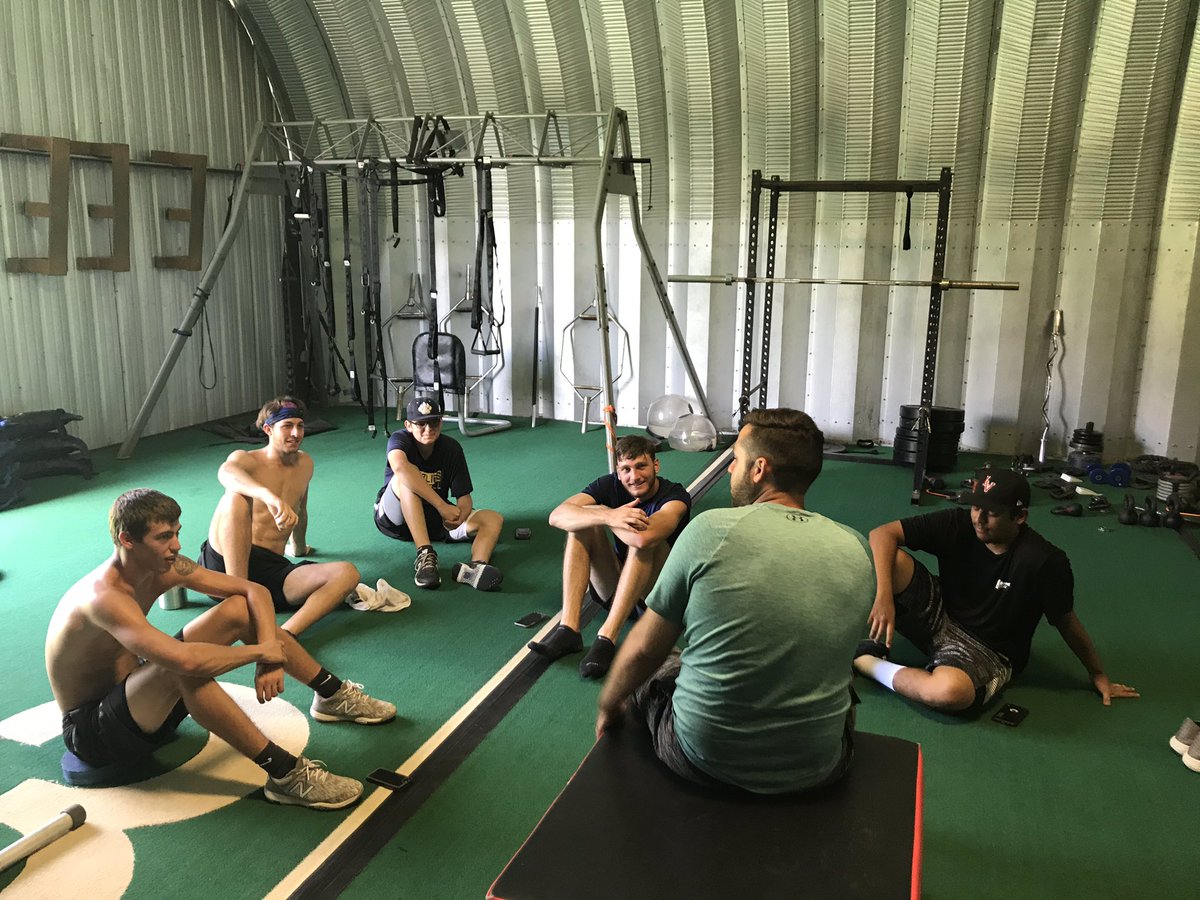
425, 570
312, 785
478, 575
350, 704
1186, 742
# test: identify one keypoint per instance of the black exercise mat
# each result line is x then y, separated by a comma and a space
655, 835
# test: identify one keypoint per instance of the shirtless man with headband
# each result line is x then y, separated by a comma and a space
264, 514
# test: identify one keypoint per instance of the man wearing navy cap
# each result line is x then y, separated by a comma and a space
424, 467
975, 619
264, 515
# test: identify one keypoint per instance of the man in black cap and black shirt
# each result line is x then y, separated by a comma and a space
424, 467
975, 620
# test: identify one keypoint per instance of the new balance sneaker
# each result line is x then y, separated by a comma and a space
425, 568
1191, 759
350, 704
478, 575
1185, 736
312, 785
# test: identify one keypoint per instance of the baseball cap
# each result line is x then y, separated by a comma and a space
423, 409
999, 490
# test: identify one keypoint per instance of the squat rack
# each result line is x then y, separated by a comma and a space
435, 145
937, 284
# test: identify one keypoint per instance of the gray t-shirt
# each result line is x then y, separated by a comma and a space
772, 601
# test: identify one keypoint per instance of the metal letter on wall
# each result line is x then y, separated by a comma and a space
57, 210
194, 215
118, 211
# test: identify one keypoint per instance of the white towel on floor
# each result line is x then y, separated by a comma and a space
382, 598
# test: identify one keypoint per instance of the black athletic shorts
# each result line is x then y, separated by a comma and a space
103, 733
265, 567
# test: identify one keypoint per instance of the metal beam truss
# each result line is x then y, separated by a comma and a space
937, 284
431, 146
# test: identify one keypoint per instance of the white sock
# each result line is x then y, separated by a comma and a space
881, 670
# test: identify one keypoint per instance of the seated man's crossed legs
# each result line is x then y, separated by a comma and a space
590, 558
407, 512
962, 673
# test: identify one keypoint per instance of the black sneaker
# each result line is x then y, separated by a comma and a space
426, 568
869, 647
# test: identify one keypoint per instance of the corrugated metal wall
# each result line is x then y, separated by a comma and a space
1070, 126
178, 77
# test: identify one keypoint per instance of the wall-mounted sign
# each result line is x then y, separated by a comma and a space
57, 210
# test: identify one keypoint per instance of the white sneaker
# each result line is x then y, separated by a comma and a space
480, 576
312, 785
350, 704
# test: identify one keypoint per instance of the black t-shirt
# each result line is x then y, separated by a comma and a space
607, 490
445, 470
999, 599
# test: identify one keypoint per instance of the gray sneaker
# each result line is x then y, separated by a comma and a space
312, 785
1191, 759
350, 704
1185, 736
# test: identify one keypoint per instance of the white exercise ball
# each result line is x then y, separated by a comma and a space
663, 412
693, 432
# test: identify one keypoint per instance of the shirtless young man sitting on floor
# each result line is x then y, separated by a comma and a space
124, 686
264, 514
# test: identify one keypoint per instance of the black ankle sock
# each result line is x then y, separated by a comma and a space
598, 659
558, 643
275, 761
326, 683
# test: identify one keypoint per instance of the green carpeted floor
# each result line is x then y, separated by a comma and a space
1078, 801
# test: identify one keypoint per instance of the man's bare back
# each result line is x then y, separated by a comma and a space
287, 477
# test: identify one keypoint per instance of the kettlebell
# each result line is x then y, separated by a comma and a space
1128, 514
1149, 516
1171, 518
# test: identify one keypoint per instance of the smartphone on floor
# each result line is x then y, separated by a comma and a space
531, 620
388, 779
1010, 714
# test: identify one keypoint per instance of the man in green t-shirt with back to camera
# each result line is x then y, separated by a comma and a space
767, 597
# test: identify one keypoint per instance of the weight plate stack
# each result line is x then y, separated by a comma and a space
1085, 449
946, 424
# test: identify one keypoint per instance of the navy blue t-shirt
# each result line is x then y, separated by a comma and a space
445, 470
999, 599
607, 490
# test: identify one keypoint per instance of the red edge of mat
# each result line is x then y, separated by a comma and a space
918, 816
491, 894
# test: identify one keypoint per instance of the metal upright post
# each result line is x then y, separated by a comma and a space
924, 418
199, 298
751, 287
607, 177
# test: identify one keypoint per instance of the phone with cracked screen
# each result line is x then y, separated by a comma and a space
531, 620
1010, 714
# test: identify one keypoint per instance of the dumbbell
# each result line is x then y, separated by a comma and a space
1118, 474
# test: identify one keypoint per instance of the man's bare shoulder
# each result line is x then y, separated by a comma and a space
184, 566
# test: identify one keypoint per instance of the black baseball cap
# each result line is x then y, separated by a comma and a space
999, 490
423, 409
